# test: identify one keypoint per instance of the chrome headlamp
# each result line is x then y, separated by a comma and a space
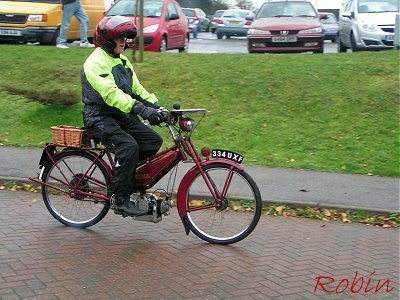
186, 124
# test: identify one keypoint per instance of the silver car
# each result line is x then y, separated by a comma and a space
367, 24
234, 22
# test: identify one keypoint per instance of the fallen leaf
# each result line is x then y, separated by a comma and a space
279, 209
327, 213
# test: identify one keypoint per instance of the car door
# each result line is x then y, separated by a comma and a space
175, 26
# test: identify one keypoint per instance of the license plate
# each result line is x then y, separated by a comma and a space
284, 39
389, 38
234, 22
226, 154
11, 32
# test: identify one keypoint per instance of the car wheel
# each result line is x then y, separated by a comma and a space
56, 37
320, 50
213, 30
163, 44
186, 46
228, 36
220, 36
340, 46
353, 43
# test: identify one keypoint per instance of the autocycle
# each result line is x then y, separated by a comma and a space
216, 199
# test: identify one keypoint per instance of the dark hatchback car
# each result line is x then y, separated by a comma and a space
286, 26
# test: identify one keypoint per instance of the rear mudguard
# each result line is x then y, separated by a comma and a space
187, 180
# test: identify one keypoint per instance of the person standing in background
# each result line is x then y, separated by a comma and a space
73, 8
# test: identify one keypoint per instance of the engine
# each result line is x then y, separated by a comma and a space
156, 207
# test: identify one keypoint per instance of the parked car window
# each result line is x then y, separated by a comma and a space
172, 10
235, 14
376, 6
189, 12
330, 19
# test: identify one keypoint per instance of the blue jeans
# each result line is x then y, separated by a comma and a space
69, 10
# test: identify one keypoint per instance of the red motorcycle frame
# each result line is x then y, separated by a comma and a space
216, 199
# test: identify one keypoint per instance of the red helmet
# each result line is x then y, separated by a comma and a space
111, 28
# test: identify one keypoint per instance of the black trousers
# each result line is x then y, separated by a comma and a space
130, 140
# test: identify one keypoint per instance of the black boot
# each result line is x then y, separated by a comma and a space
123, 206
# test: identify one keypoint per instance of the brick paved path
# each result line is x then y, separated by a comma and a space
122, 259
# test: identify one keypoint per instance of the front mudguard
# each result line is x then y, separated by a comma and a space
187, 179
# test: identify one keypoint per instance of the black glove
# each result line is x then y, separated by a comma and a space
164, 114
147, 113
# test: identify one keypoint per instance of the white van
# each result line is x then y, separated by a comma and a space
367, 24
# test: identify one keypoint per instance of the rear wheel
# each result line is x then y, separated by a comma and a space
238, 212
71, 173
56, 38
186, 46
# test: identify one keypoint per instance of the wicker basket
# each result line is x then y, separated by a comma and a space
64, 135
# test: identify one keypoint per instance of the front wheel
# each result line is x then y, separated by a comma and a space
76, 179
163, 44
353, 43
340, 46
237, 213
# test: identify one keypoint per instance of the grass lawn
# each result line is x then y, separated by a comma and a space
327, 112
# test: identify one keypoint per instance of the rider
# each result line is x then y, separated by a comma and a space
113, 99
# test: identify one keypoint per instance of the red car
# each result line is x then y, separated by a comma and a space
286, 26
165, 26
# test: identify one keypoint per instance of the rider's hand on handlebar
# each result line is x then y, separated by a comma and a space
164, 114
145, 112
154, 116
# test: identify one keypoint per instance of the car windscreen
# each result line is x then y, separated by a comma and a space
330, 19
151, 9
235, 14
378, 6
218, 13
37, 1
286, 9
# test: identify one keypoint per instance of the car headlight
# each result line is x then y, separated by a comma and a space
258, 31
37, 18
151, 28
312, 30
368, 27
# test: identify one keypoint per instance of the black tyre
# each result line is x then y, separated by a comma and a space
235, 217
56, 38
163, 44
340, 46
186, 46
353, 43
70, 170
